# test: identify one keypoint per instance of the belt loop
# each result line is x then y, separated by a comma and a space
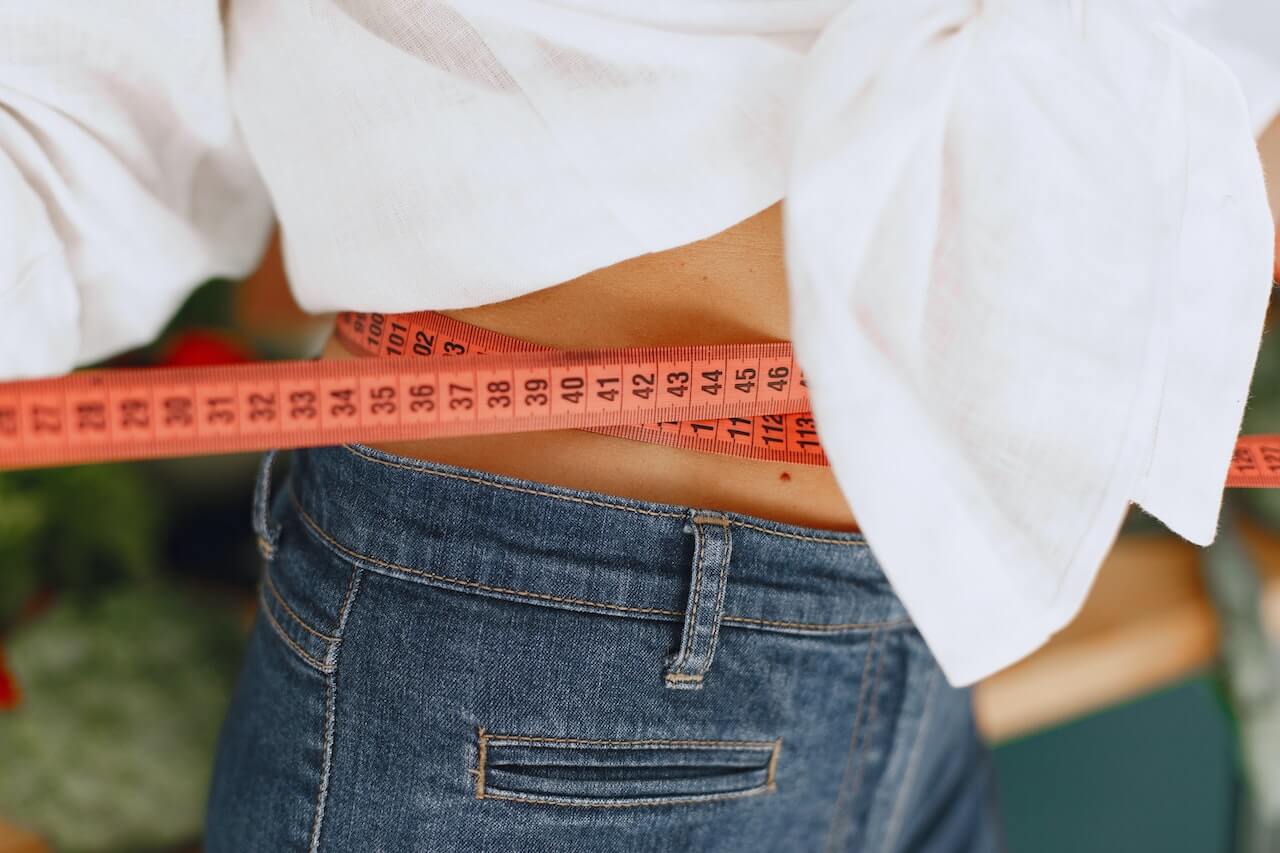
712, 547
263, 525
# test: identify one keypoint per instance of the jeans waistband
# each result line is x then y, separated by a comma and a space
581, 550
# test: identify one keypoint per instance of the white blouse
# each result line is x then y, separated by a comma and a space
1027, 241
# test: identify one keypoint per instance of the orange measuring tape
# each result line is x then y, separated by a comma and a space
430, 376
788, 436
453, 379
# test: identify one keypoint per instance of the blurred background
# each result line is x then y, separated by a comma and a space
1151, 724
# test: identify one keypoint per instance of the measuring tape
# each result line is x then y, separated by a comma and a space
431, 376
789, 436
452, 380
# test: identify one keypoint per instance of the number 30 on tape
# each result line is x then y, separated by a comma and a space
152, 412
426, 375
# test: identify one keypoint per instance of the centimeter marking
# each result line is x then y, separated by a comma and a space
154, 412
790, 437
1255, 463
490, 383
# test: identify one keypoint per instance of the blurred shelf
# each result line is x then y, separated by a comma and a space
1147, 623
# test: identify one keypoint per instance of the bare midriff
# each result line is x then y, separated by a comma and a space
728, 288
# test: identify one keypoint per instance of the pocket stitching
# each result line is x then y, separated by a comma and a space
484, 792
617, 804
307, 657
607, 742
271, 585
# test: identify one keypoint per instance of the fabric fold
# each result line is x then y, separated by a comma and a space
992, 291
1027, 243
121, 158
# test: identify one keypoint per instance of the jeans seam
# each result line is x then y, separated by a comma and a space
657, 742
823, 540
630, 804
356, 556
871, 717
771, 778
266, 528
682, 677
603, 504
306, 656
724, 583
331, 702
913, 761
271, 586
819, 626
690, 618
481, 758
868, 660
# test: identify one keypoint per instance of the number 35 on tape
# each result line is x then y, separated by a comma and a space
152, 412
427, 375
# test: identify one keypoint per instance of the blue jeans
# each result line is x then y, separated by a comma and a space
449, 660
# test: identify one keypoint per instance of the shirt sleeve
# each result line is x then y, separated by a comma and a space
1025, 303
123, 180
1245, 34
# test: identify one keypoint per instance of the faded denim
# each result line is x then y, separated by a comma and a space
450, 660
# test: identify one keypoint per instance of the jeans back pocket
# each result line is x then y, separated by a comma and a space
614, 773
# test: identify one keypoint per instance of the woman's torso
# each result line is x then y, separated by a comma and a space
728, 288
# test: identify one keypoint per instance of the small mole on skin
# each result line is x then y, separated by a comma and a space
784, 476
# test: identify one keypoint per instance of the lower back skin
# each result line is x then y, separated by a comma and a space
728, 288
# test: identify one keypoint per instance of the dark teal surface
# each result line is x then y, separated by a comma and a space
1157, 774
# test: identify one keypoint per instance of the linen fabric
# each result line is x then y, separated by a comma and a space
1027, 241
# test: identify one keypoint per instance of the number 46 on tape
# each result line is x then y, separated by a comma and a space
748, 400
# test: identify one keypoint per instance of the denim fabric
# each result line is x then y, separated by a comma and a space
449, 660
